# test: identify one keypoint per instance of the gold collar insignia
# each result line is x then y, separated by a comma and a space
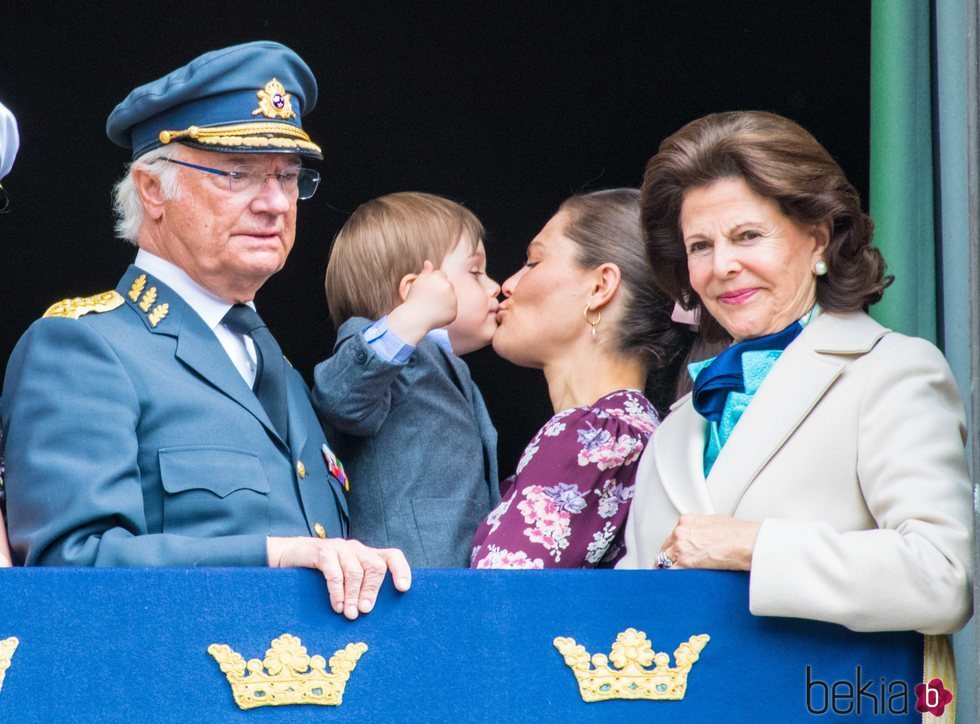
138, 284
154, 314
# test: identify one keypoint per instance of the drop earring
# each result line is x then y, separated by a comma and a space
592, 322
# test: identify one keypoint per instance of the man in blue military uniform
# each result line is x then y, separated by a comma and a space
159, 424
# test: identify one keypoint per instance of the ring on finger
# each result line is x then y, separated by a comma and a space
663, 561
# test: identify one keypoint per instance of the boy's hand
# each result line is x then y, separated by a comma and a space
429, 302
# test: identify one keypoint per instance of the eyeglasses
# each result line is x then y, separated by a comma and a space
4, 200
249, 179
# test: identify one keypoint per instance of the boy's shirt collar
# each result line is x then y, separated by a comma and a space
392, 348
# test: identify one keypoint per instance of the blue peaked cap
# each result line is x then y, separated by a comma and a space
248, 98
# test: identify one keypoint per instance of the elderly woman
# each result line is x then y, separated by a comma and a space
820, 452
584, 310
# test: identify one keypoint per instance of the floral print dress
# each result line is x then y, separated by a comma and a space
566, 505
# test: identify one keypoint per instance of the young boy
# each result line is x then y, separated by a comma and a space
408, 292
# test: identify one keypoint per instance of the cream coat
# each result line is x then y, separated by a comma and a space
851, 455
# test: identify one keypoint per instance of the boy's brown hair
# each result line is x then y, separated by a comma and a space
385, 239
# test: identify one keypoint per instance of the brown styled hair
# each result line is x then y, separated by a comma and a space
385, 239
781, 161
605, 227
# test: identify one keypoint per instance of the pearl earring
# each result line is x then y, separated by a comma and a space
592, 322
820, 268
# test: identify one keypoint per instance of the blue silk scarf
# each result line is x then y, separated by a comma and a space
725, 385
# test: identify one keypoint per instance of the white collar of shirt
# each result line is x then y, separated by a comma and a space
441, 337
210, 308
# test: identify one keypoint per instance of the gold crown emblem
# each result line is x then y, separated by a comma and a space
287, 675
7, 648
631, 679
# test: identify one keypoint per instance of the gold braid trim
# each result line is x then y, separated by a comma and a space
247, 129
263, 142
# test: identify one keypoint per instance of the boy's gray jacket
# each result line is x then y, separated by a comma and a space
417, 443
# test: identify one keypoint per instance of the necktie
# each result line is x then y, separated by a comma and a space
270, 375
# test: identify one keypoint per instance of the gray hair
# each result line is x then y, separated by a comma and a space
126, 202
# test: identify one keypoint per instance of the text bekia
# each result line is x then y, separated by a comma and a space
866, 695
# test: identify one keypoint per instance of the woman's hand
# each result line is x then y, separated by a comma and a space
711, 541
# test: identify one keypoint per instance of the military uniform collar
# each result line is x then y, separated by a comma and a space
209, 307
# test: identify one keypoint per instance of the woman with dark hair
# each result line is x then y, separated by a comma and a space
586, 311
820, 452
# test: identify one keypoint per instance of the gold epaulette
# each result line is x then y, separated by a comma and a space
80, 306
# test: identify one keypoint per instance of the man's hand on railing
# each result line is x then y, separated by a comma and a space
353, 571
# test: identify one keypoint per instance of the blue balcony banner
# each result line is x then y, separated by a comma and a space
127, 645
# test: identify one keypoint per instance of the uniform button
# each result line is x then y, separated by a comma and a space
361, 357
300, 469
319, 530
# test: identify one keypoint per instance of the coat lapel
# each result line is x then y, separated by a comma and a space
163, 311
678, 447
785, 398
199, 349
460, 374
297, 431
796, 383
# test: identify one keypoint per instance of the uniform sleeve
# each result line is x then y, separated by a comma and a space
352, 389
70, 414
567, 504
912, 573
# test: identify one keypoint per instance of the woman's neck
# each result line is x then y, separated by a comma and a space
579, 380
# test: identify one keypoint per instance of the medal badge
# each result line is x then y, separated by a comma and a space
335, 467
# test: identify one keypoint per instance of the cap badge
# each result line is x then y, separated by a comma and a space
274, 101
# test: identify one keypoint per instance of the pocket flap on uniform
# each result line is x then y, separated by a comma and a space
220, 470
